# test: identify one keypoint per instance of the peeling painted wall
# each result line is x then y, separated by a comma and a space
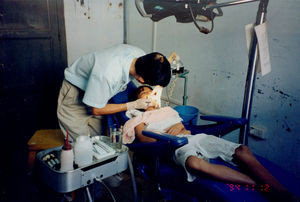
92, 26
218, 66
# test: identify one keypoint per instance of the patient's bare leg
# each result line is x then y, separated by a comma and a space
244, 154
217, 171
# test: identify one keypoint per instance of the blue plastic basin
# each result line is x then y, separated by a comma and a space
189, 114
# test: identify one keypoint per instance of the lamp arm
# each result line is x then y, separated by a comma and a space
138, 6
231, 3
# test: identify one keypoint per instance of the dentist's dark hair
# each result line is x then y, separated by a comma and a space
154, 68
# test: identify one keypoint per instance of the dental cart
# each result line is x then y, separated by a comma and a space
64, 182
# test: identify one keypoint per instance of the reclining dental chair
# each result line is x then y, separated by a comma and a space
154, 162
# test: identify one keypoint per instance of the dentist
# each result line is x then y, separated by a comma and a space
93, 79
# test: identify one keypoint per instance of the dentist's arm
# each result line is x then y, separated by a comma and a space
109, 109
115, 108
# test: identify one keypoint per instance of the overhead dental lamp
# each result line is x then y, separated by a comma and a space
186, 11
183, 10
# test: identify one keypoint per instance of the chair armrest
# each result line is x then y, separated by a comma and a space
171, 140
164, 146
224, 119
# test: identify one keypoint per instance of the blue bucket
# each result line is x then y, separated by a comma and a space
189, 114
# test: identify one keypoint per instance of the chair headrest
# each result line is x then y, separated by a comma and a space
123, 97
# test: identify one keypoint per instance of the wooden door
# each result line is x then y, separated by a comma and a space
32, 60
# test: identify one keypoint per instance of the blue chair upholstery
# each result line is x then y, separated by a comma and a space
120, 118
172, 181
154, 161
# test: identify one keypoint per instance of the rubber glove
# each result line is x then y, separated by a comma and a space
139, 104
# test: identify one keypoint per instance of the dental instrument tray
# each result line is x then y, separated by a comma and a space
48, 168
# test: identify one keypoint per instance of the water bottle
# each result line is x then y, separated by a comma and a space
83, 151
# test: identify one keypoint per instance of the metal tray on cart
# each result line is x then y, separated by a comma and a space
68, 181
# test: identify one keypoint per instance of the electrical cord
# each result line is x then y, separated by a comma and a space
132, 178
172, 87
201, 29
107, 188
89, 194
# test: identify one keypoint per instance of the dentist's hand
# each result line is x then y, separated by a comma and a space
139, 104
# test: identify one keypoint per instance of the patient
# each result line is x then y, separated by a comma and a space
194, 156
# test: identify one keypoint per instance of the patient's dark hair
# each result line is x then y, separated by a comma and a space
134, 94
154, 68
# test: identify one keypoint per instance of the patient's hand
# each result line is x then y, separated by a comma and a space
176, 129
184, 131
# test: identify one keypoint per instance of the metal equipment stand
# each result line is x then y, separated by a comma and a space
251, 74
184, 75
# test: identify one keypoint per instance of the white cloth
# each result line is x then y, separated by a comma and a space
102, 74
205, 147
161, 126
148, 117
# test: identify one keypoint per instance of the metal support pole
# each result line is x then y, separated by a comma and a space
154, 36
251, 75
184, 75
124, 22
185, 90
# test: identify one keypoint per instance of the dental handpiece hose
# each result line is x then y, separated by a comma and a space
132, 178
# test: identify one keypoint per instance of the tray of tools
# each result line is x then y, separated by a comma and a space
48, 168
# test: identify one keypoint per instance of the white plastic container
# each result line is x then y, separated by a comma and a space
66, 156
66, 160
83, 151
